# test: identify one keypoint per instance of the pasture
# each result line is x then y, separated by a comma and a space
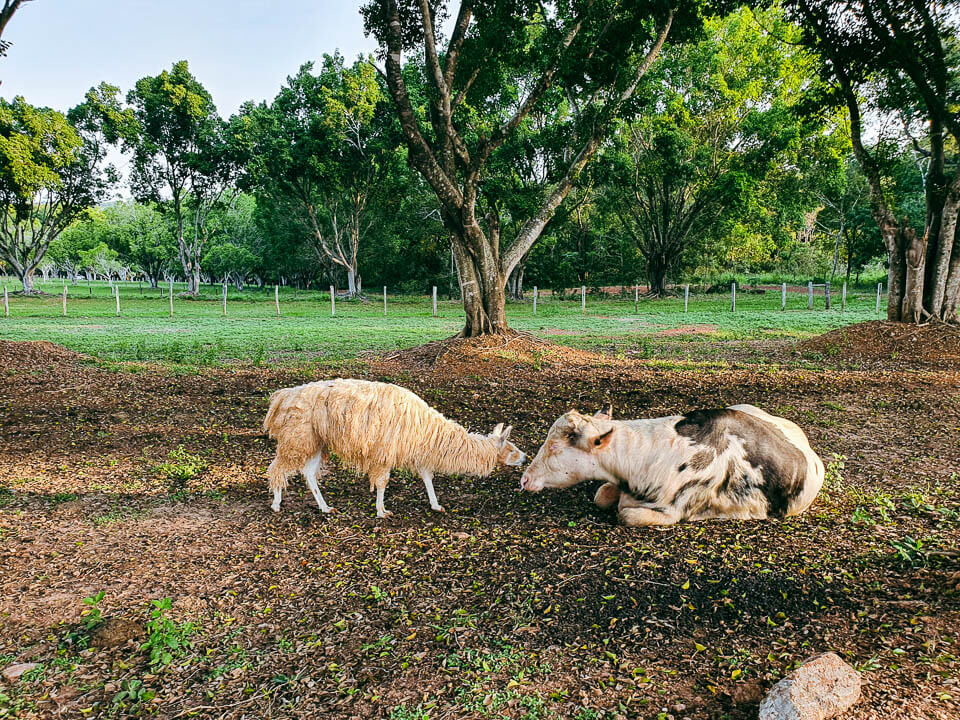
145, 575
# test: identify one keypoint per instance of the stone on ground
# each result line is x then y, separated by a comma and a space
823, 687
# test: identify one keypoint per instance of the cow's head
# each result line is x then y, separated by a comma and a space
570, 454
507, 453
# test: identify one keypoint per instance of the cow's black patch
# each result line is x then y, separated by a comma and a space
686, 487
701, 460
644, 494
781, 464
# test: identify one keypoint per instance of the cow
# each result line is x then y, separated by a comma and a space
736, 462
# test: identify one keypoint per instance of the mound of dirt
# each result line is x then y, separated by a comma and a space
935, 345
490, 353
40, 352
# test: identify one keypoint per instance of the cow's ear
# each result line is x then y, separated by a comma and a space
601, 440
604, 414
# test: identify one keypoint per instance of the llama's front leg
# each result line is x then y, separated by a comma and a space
277, 475
277, 497
315, 465
380, 480
428, 481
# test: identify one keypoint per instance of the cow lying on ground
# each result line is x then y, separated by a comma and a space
738, 462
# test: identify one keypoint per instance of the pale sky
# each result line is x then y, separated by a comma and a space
238, 49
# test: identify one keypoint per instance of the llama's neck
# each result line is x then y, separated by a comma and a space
463, 453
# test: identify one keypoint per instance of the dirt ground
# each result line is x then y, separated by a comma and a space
144, 484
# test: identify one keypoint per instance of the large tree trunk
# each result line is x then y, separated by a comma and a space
515, 282
26, 279
484, 298
352, 282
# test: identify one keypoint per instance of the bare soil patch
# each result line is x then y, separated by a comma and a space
881, 343
509, 605
690, 330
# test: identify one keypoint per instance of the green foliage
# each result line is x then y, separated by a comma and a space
92, 616
181, 466
166, 639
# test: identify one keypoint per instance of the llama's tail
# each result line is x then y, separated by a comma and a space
278, 403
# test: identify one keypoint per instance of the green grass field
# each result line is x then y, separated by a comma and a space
199, 333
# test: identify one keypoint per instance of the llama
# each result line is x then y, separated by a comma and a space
374, 427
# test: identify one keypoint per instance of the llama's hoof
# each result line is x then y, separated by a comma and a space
275, 508
439, 508
385, 514
328, 510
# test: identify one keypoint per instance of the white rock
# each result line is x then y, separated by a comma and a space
822, 688
15, 671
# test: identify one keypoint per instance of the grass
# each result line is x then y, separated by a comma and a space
200, 335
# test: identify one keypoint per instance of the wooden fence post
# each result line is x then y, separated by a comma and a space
636, 299
89, 288
64, 300
434, 300
810, 295
6, 303
733, 296
140, 284
783, 296
224, 298
116, 294
583, 299
826, 294
534, 299
333, 301
276, 298
843, 298
686, 296
879, 286
384, 300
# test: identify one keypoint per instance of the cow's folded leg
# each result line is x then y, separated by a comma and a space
641, 517
607, 495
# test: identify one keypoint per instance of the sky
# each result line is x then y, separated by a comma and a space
238, 49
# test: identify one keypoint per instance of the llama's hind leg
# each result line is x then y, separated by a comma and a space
379, 479
316, 465
277, 475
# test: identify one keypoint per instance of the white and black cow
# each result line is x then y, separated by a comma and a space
736, 462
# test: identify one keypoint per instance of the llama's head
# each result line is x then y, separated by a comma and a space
507, 453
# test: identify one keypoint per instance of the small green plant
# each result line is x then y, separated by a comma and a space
166, 639
909, 551
833, 478
62, 497
132, 692
181, 466
862, 517
92, 616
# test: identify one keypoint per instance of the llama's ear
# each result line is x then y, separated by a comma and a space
505, 435
604, 414
498, 430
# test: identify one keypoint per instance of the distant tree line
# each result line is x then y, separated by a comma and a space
550, 144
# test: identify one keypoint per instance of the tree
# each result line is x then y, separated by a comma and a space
50, 171
183, 160
101, 260
6, 12
230, 262
66, 251
503, 63
689, 173
138, 234
324, 149
900, 56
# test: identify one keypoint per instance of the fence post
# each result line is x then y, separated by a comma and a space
384, 300
534, 299
826, 294
64, 300
879, 286
116, 294
171, 296
810, 295
843, 298
333, 302
636, 299
733, 296
686, 296
140, 284
276, 298
783, 296
6, 303
434, 300
224, 298
89, 288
